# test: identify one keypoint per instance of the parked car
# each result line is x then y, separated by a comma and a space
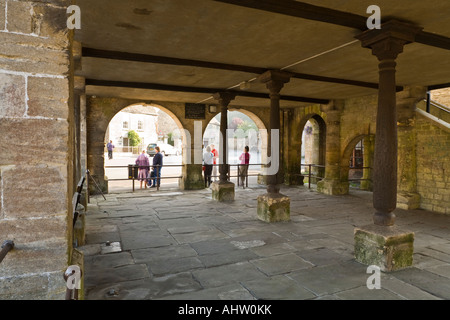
151, 149
165, 149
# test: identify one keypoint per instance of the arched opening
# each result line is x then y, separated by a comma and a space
313, 148
244, 129
358, 162
137, 128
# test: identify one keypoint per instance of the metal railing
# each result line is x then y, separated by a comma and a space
133, 173
134, 169
7, 246
310, 173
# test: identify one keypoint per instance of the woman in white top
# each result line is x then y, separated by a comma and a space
208, 160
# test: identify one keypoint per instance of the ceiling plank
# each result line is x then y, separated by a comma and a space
163, 87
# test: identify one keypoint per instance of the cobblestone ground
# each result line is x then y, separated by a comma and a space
182, 245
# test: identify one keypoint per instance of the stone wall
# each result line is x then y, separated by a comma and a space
36, 127
441, 96
433, 165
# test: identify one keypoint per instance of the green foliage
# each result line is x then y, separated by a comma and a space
170, 139
133, 138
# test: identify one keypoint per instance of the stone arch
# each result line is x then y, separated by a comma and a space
320, 125
255, 118
368, 141
100, 112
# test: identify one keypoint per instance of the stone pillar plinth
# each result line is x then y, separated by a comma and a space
386, 247
222, 191
274, 207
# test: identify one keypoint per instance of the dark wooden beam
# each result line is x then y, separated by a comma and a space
136, 57
439, 86
146, 58
433, 40
163, 87
323, 14
305, 11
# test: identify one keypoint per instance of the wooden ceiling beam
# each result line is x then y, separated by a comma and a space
163, 87
145, 58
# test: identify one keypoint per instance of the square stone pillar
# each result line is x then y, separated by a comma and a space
332, 184
407, 195
192, 177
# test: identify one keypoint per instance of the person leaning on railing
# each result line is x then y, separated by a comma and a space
243, 167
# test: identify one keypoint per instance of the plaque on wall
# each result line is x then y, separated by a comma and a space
195, 111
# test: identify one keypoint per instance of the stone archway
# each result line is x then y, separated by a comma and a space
368, 141
256, 139
318, 143
100, 112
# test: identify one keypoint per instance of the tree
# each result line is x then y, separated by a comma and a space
133, 138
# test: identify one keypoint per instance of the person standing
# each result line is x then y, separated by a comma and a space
208, 159
157, 166
243, 167
110, 148
215, 158
143, 163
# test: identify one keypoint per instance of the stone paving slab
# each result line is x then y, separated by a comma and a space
231, 273
428, 281
330, 279
374, 294
277, 288
189, 247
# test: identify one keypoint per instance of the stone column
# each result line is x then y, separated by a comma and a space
192, 174
407, 196
274, 206
95, 137
223, 190
383, 244
332, 183
292, 149
369, 146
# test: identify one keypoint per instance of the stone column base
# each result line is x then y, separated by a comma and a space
274, 207
389, 248
332, 187
407, 201
192, 177
222, 191
262, 179
293, 179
